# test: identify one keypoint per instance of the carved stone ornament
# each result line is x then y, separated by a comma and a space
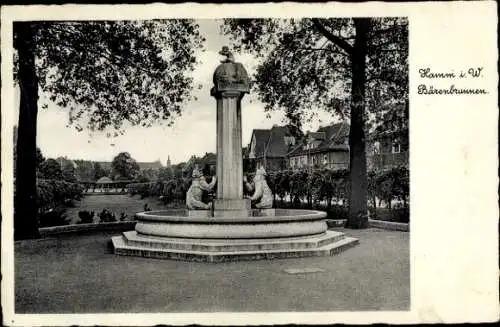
230, 76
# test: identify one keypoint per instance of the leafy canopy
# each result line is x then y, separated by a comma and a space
51, 169
305, 64
98, 172
109, 72
124, 166
69, 172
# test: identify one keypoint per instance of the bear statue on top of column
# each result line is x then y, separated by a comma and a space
230, 75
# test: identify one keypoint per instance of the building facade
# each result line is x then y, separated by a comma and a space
326, 148
388, 150
269, 148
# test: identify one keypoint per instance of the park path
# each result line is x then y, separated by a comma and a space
79, 274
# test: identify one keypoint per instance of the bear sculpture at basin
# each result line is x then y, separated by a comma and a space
195, 191
262, 195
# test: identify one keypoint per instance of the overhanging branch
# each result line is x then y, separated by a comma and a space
344, 45
321, 49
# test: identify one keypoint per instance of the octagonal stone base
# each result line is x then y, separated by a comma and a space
221, 250
264, 234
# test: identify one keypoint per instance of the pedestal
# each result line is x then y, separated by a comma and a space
229, 142
232, 208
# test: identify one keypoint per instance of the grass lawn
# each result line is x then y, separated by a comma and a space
116, 203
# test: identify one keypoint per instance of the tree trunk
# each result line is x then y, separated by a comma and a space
358, 211
25, 206
374, 209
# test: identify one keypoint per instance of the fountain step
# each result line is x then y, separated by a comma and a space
121, 247
132, 238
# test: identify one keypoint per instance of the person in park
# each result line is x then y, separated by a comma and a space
195, 191
262, 195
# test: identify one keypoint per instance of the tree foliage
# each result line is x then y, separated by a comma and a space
166, 173
354, 68
39, 158
109, 72
52, 193
305, 65
84, 170
51, 169
104, 73
124, 166
98, 171
69, 172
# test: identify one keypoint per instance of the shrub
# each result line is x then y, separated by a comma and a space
106, 216
337, 212
53, 193
171, 190
393, 184
305, 188
400, 215
86, 217
53, 217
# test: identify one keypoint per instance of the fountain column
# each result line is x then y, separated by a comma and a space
231, 82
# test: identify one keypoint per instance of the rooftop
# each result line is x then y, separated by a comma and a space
328, 138
271, 142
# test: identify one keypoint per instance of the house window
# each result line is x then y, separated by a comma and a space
325, 159
396, 147
289, 140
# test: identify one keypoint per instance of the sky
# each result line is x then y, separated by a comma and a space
193, 133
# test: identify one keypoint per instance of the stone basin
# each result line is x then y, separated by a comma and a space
179, 223
204, 236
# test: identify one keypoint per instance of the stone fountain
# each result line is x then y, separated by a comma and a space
230, 229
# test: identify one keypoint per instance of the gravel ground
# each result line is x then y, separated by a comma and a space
79, 274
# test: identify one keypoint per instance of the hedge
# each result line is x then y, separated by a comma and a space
309, 186
169, 191
53, 193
